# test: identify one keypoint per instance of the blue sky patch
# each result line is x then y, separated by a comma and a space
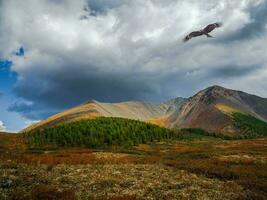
20, 52
7, 77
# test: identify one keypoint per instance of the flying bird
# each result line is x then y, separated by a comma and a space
204, 31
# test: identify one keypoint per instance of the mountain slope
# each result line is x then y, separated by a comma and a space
132, 110
210, 109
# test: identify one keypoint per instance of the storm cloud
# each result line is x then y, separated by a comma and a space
118, 50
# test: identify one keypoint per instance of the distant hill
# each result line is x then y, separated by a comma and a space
142, 111
211, 109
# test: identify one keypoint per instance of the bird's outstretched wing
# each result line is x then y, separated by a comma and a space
205, 31
192, 34
211, 27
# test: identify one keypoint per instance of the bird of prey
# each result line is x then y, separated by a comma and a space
204, 31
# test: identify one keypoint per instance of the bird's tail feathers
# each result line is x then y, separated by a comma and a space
208, 35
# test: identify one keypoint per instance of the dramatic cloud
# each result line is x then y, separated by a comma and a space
2, 126
67, 52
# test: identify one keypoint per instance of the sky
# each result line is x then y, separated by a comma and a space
55, 54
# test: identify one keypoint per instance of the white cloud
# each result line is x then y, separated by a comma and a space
2, 126
136, 44
118, 40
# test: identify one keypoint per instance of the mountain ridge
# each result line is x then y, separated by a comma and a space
203, 110
209, 109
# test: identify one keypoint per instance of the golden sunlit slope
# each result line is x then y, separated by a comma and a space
225, 108
132, 110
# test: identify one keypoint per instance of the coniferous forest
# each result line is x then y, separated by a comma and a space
99, 133
104, 132
249, 126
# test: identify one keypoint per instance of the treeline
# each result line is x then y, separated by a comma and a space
198, 133
105, 132
250, 126
99, 133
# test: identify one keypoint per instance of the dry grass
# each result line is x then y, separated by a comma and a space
42, 192
11, 141
206, 169
69, 157
127, 181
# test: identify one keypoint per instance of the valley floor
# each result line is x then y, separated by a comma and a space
197, 169
135, 181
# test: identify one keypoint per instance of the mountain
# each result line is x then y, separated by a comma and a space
210, 109
143, 111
